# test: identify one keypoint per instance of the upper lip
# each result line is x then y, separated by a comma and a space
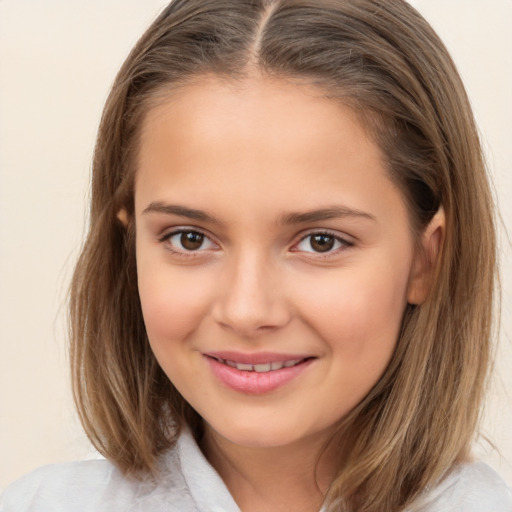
256, 357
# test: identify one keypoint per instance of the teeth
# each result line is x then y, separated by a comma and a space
261, 368
245, 367
289, 364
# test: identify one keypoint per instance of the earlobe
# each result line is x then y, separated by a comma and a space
425, 259
122, 216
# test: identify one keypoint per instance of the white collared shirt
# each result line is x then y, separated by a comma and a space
188, 483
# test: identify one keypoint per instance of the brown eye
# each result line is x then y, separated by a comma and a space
191, 240
322, 243
188, 242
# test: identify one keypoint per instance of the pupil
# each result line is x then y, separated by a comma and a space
322, 243
191, 241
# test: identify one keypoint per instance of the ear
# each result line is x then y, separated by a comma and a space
425, 258
122, 216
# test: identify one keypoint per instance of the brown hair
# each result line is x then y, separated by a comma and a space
381, 58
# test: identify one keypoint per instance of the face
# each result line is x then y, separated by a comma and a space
274, 257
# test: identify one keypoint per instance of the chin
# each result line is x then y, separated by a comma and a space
270, 434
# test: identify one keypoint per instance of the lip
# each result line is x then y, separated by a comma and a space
253, 382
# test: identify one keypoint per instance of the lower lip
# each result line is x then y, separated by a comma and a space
255, 383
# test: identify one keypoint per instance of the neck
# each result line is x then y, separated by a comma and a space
281, 478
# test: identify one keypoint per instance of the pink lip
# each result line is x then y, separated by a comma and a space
252, 382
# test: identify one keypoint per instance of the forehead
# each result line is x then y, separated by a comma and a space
258, 108
257, 140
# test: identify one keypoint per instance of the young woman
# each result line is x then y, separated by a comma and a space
280, 304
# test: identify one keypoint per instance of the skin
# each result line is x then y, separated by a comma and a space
249, 155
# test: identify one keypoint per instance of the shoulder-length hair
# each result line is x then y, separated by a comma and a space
382, 59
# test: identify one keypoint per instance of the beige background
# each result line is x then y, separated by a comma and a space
57, 60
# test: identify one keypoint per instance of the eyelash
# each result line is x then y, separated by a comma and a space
343, 243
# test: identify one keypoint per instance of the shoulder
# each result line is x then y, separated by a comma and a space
96, 486
470, 488
61, 486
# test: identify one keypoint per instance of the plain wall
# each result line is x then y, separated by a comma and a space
57, 61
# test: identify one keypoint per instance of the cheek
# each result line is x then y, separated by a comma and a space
358, 314
172, 303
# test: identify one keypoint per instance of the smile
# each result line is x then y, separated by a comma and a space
257, 374
262, 367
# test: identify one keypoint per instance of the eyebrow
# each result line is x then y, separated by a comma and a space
181, 211
332, 212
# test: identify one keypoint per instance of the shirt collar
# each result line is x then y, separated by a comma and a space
206, 486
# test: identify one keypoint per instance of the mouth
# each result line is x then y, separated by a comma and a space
261, 367
257, 374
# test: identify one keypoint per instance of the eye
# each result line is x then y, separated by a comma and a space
321, 243
187, 241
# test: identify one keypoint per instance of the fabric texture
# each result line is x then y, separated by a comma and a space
188, 483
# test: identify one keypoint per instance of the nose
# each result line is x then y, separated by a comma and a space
251, 299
